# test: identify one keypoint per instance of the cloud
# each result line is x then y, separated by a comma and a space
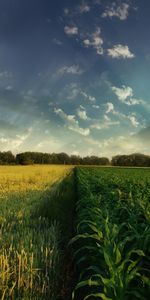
14, 143
82, 131
94, 41
71, 123
119, 144
69, 91
66, 11
131, 117
6, 74
71, 30
88, 97
122, 145
125, 95
96, 106
120, 51
72, 91
133, 120
49, 143
57, 42
134, 101
9, 88
121, 11
82, 114
105, 124
64, 116
7, 79
110, 107
84, 8
74, 70
17, 102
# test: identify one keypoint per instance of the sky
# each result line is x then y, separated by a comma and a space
74, 76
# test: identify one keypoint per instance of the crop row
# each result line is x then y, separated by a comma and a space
31, 222
111, 245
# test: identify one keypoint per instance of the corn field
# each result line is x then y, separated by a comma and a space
111, 247
108, 255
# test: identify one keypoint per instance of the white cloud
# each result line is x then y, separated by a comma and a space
118, 144
50, 143
96, 106
110, 107
131, 117
14, 143
84, 8
75, 152
74, 70
64, 116
71, 30
88, 97
71, 123
125, 95
73, 91
121, 11
120, 51
133, 120
94, 41
106, 123
82, 114
70, 91
134, 101
82, 131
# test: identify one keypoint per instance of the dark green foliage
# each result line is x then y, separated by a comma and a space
59, 158
7, 158
111, 245
137, 160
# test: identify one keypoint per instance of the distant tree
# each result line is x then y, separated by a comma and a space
7, 158
23, 158
75, 160
95, 160
104, 161
63, 158
133, 160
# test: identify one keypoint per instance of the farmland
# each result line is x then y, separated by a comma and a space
97, 217
31, 259
111, 245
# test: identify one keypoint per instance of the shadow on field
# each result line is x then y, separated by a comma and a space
57, 204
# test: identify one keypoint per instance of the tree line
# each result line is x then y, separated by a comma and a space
29, 158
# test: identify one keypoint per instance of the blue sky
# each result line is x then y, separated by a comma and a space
74, 76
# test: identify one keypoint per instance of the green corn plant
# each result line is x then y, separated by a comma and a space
116, 265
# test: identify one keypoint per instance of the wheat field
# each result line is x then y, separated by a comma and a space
30, 255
